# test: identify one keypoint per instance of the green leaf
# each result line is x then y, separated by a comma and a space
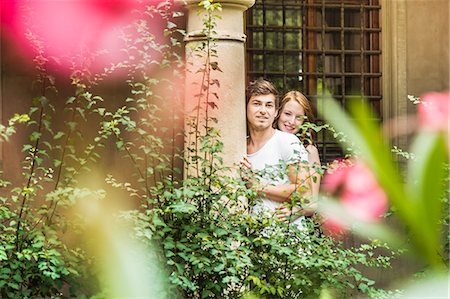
70, 100
17, 278
58, 135
43, 101
101, 111
48, 145
26, 147
13, 285
35, 136
81, 112
183, 207
33, 110
72, 125
219, 267
119, 144
425, 186
56, 162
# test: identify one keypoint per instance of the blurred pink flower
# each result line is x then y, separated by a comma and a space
336, 174
359, 193
70, 28
332, 226
433, 111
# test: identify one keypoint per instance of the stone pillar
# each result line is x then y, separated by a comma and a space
229, 41
394, 70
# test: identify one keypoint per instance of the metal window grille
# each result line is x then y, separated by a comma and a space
317, 45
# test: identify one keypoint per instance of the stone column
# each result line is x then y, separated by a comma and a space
394, 70
229, 94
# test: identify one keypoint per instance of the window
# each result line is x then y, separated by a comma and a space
317, 45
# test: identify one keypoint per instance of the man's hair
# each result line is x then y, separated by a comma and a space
262, 87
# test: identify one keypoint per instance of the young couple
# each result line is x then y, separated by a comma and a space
279, 161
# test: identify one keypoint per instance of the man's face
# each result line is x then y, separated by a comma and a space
261, 111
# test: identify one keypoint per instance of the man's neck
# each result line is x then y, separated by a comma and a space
258, 138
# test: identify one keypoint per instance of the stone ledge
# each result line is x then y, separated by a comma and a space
198, 35
245, 4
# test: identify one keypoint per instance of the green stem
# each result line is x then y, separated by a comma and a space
63, 154
33, 165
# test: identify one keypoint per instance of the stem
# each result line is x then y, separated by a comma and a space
197, 120
33, 165
208, 74
63, 154
135, 164
172, 157
146, 173
69, 133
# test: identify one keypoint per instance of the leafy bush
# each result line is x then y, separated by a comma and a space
42, 251
214, 247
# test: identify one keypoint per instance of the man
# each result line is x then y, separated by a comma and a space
276, 157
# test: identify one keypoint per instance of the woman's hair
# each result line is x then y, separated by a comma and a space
262, 87
300, 98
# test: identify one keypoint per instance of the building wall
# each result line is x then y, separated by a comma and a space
427, 45
16, 94
15, 97
415, 55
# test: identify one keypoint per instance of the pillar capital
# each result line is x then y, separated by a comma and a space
245, 4
230, 25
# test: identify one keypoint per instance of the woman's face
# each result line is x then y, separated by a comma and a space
291, 117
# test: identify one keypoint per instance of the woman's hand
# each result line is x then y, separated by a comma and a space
246, 162
287, 214
245, 172
248, 176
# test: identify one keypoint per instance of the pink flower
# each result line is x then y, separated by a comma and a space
333, 227
78, 27
359, 192
337, 170
434, 111
368, 206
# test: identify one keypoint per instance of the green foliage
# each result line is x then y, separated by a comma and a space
42, 252
36, 262
215, 249
292, 263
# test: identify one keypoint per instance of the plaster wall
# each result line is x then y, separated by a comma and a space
415, 59
15, 96
427, 45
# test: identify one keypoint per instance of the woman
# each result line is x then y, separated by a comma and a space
294, 110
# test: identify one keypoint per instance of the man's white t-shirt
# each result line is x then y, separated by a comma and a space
271, 161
